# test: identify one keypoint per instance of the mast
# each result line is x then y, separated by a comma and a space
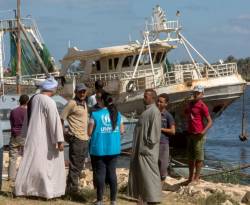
18, 65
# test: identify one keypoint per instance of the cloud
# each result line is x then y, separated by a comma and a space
245, 17
195, 6
232, 29
238, 25
241, 30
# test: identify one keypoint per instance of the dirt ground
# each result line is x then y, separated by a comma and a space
6, 198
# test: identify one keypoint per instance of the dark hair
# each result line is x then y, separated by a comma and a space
99, 84
165, 96
23, 99
113, 112
152, 92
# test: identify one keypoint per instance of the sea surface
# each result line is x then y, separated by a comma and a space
223, 144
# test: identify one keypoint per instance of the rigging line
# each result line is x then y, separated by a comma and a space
234, 169
28, 60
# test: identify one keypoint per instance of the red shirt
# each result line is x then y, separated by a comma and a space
197, 111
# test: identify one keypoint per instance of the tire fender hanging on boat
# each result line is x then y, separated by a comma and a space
131, 86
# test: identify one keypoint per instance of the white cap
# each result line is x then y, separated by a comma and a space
199, 88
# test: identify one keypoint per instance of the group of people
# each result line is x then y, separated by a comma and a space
94, 127
150, 152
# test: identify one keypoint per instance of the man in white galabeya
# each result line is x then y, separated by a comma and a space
42, 170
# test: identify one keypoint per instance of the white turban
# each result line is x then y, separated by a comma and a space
49, 84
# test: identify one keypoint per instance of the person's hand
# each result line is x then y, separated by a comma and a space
60, 146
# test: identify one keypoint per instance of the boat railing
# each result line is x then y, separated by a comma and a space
167, 26
125, 75
225, 69
11, 24
28, 79
188, 72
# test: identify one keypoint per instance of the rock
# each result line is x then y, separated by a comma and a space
246, 198
171, 184
227, 202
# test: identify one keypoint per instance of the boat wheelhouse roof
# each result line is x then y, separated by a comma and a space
134, 48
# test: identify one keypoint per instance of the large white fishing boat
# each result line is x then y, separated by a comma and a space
130, 69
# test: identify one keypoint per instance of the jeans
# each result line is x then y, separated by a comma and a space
105, 166
15, 146
164, 160
78, 151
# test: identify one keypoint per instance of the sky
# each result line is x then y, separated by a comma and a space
216, 28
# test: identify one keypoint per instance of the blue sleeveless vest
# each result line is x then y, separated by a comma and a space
104, 140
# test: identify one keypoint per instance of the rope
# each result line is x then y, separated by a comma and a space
245, 166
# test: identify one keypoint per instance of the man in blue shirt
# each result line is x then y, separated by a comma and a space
167, 130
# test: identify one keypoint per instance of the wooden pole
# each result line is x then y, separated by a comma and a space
18, 65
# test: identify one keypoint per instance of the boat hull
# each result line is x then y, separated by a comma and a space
217, 97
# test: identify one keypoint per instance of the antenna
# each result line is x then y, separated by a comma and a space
178, 13
129, 38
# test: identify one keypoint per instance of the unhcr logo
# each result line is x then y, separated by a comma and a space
106, 120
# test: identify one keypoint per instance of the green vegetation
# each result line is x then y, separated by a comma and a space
217, 199
243, 65
232, 177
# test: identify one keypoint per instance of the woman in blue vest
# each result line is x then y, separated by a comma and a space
105, 128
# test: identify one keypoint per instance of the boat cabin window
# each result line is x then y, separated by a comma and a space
97, 65
113, 63
135, 60
163, 56
116, 60
146, 59
153, 55
158, 57
127, 61
76, 66
110, 64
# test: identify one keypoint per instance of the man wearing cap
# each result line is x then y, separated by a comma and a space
42, 171
92, 102
76, 114
197, 111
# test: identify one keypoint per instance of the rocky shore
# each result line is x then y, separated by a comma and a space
175, 192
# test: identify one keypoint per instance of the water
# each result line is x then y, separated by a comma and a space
223, 145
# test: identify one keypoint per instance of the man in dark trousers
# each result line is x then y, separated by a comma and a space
76, 114
167, 131
16, 141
